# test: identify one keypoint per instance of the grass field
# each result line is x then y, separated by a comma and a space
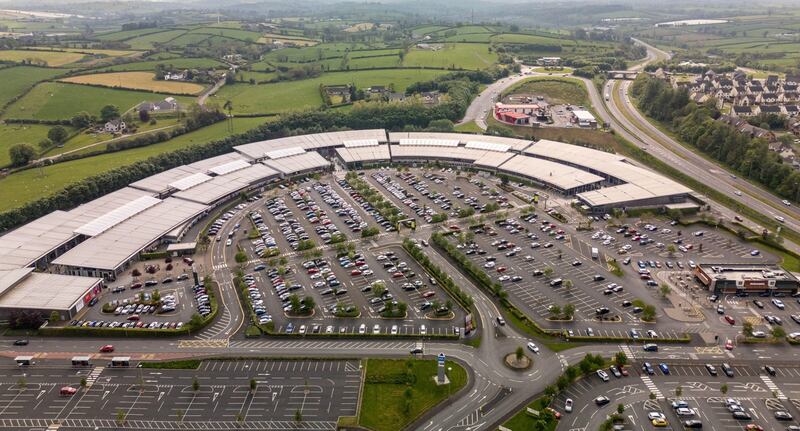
58, 100
524, 421
297, 95
83, 140
179, 63
51, 58
29, 185
12, 134
555, 90
136, 81
150, 40
233, 33
453, 55
17, 79
129, 34
383, 404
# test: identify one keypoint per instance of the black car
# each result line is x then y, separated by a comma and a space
742, 416
711, 369
782, 415
601, 401
21, 342
692, 423
770, 370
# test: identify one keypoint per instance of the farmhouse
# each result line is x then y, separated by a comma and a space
166, 105
175, 76
115, 126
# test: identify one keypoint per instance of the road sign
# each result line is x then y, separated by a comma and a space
440, 359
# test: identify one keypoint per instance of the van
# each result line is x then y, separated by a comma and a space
595, 253
556, 282
650, 347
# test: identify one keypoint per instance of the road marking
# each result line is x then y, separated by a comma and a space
652, 387
199, 344
774, 388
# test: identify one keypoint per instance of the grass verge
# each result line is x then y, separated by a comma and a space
525, 421
185, 364
398, 391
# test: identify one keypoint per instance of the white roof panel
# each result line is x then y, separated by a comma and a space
190, 181
488, 146
222, 186
258, 150
117, 216
303, 162
159, 183
229, 167
41, 291
554, 174
285, 152
514, 143
364, 154
430, 142
361, 143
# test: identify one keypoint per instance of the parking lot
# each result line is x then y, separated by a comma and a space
758, 394
320, 390
343, 281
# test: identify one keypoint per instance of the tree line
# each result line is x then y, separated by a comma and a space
697, 125
460, 86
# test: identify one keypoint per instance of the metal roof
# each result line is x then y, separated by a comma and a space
117, 245
298, 163
10, 278
41, 291
364, 154
117, 216
360, 143
557, 175
430, 142
229, 167
259, 150
160, 183
513, 143
284, 152
222, 186
489, 146
190, 181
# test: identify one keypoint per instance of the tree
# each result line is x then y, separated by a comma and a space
664, 290
136, 272
109, 112
555, 310
241, 257
84, 383
678, 391
21, 154
569, 311
22, 383
308, 301
671, 249
298, 416
121, 415
253, 385
179, 414
519, 353
58, 135
294, 302
747, 328
54, 316
156, 296
45, 144
568, 284
621, 359
144, 115
648, 313
548, 271
550, 391
778, 332
81, 120
195, 385
620, 408
723, 389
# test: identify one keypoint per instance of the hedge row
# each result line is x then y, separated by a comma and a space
445, 281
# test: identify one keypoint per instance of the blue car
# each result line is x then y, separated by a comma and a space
289, 328
664, 368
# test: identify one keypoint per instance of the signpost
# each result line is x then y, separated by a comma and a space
441, 378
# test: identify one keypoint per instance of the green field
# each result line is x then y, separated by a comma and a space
383, 403
32, 184
178, 63
17, 79
232, 33
187, 39
528, 38
557, 91
55, 101
51, 58
149, 41
452, 55
297, 95
123, 35
524, 421
12, 134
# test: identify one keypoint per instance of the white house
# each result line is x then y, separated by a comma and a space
115, 126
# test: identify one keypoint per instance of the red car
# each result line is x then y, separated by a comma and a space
355, 272
136, 285
623, 371
753, 427
730, 319
133, 317
313, 270
68, 391
428, 294
556, 414
728, 345
397, 275
501, 269
108, 348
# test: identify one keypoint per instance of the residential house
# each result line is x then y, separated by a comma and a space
769, 109
791, 110
767, 98
175, 76
743, 126
742, 111
792, 80
166, 105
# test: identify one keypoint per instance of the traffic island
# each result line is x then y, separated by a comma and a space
517, 362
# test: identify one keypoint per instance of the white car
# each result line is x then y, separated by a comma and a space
656, 415
778, 303
737, 192
603, 375
362, 329
684, 411
787, 203
394, 329
376, 329
779, 218
533, 348
568, 405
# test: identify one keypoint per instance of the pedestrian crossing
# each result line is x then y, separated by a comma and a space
318, 344
648, 382
93, 375
627, 351
773, 387
219, 266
